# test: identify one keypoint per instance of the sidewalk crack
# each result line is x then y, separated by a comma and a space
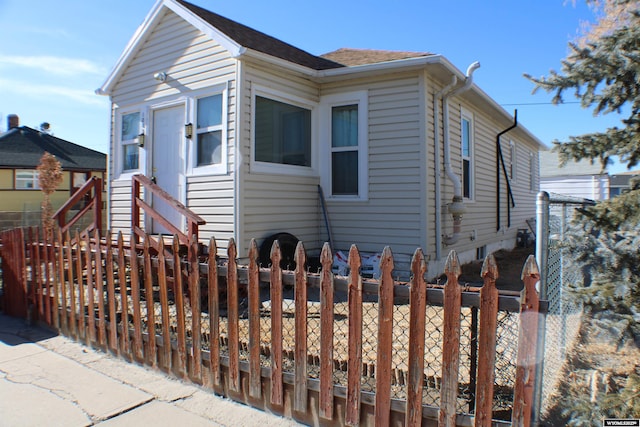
124, 411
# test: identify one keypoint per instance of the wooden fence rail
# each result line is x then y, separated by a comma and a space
188, 317
91, 194
140, 184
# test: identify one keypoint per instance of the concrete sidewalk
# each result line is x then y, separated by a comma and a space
49, 380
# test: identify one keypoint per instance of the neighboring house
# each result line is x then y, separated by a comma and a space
620, 183
390, 137
21, 149
581, 179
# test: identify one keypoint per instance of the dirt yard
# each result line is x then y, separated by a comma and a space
510, 263
594, 366
594, 369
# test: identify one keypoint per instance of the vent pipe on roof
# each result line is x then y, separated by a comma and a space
13, 121
45, 128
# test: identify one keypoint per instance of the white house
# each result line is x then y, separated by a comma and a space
400, 142
581, 179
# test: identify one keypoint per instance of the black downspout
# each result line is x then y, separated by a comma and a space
500, 161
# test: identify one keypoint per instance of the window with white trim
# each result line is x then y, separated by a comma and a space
209, 131
282, 133
344, 150
130, 129
27, 180
514, 161
344, 134
466, 131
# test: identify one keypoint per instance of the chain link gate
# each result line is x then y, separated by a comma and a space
558, 268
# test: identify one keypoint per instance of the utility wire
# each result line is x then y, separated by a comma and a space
539, 103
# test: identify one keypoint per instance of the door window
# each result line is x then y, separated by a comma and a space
129, 133
209, 131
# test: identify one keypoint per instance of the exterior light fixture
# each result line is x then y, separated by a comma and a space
161, 76
140, 140
188, 130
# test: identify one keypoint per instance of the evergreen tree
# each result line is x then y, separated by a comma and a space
602, 70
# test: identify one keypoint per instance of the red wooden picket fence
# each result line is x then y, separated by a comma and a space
203, 318
14, 281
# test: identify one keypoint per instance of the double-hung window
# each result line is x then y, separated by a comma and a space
129, 132
282, 133
466, 124
344, 150
344, 133
27, 180
208, 131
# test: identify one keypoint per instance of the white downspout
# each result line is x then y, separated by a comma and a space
238, 161
456, 208
436, 137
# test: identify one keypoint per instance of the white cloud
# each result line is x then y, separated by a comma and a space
44, 92
54, 64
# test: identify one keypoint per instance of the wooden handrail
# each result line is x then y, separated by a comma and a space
168, 198
94, 183
193, 219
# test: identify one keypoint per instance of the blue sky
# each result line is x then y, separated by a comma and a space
54, 54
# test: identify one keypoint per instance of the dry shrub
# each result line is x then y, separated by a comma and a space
49, 177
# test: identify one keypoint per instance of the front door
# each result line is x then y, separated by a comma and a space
167, 168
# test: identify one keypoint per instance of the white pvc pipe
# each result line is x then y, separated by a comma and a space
455, 179
436, 137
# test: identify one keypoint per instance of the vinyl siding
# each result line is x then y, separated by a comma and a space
22, 200
479, 224
120, 203
432, 87
394, 213
212, 197
190, 58
193, 62
273, 202
399, 210
593, 187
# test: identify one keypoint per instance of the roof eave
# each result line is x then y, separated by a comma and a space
541, 145
422, 61
377, 67
339, 72
274, 60
139, 37
237, 51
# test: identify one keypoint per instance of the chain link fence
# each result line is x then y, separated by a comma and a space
119, 300
506, 347
559, 269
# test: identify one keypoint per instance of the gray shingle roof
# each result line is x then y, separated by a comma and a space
253, 39
256, 40
22, 147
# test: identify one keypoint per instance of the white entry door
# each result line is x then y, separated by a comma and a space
167, 167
